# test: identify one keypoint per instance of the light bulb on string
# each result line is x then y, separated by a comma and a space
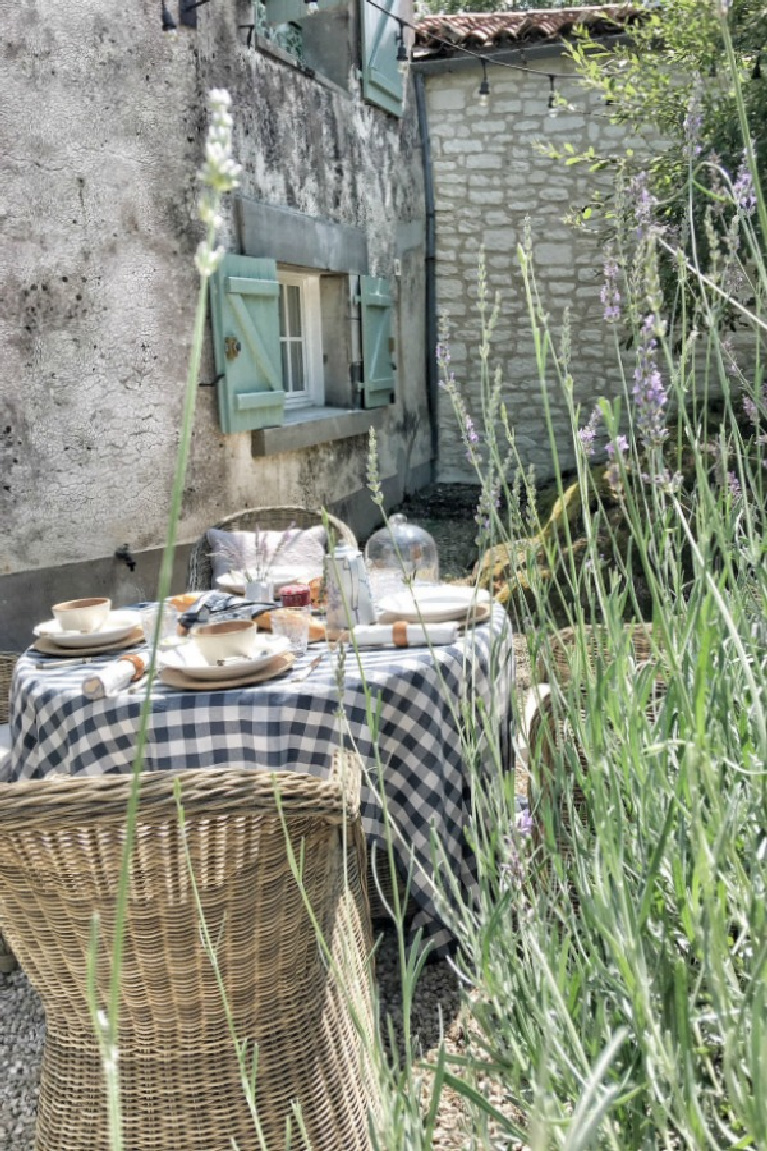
552, 99
757, 72
402, 56
312, 6
484, 87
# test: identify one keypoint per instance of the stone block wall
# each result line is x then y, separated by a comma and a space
102, 134
490, 177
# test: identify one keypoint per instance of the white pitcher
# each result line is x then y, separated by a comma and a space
347, 586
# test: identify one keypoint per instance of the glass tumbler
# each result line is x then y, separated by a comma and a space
294, 624
169, 626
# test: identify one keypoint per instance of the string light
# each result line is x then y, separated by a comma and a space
552, 98
402, 56
484, 87
757, 72
312, 6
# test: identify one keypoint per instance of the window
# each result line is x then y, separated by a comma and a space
301, 339
270, 324
320, 40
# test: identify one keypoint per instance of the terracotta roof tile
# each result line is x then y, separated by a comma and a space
486, 30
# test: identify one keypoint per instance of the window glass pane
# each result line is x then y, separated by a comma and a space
294, 310
285, 369
297, 366
282, 310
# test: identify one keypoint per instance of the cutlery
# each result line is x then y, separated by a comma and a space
308, 670
46, 663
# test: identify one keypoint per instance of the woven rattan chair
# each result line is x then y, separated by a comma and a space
199, 572
551, 740
60, 849
7, 664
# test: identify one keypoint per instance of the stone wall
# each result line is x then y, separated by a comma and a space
101, 134
489, 178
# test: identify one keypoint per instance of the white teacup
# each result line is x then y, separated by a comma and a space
225, 640
84, 615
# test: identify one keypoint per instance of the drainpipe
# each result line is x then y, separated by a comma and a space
430, 285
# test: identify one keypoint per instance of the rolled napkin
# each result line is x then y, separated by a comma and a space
113, 677
401, 634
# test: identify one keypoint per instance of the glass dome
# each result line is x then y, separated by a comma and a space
417, 556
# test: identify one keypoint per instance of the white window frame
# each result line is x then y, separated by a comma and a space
311, 328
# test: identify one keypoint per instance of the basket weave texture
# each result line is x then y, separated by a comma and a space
60, 850
7, 664
551, 737
200, 573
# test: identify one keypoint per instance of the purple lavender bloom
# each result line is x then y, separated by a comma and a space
644, 205
743, 189
621, 445
610, 296
754, 407
587, 435
471, 433
733, 483
649, 393
693, 123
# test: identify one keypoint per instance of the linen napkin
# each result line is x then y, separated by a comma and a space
113, 677
401, 634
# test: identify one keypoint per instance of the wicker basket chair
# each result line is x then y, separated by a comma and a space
551, 739
60, 850
7, 664
199, 576
562, 645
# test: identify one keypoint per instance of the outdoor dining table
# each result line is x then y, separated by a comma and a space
296, 722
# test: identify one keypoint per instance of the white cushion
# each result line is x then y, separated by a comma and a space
303, 550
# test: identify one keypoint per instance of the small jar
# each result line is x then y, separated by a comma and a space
296, 595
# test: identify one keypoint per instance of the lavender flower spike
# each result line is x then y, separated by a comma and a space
610, 296
649, 392
587, 434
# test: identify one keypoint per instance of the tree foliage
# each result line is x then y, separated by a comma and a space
672, 86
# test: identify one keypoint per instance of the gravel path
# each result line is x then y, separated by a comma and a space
448, 514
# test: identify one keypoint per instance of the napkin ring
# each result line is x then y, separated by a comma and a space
138, 666
399, 633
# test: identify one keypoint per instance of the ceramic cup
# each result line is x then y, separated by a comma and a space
294, 624
234, 637
83, 615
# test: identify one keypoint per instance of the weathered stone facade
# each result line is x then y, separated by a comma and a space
490, 177
102, 132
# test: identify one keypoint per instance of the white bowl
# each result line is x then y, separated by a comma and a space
233, 637
83, 615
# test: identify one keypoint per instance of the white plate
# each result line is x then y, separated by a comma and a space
189, 659
234, 582
435, 604
117, 625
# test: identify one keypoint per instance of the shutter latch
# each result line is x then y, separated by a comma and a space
232, 347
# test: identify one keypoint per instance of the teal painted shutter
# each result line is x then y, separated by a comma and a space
381, 79
376, 303
244, 301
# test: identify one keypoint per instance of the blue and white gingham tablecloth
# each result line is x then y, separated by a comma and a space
294, 724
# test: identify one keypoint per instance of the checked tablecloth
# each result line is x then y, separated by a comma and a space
294, 723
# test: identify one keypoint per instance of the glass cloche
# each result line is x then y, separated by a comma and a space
417, 556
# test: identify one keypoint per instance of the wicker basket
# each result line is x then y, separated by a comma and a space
563, 655
7, 664
199, 576
60, 853
550, 738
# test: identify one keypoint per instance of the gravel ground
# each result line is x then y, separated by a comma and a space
447, 512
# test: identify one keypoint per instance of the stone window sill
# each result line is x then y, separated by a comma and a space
305, 427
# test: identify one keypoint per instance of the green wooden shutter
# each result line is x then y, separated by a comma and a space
377, 304
244, 302
381, 79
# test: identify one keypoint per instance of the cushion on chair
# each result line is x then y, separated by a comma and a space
304, 550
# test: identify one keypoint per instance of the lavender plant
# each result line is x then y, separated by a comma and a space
616, 957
